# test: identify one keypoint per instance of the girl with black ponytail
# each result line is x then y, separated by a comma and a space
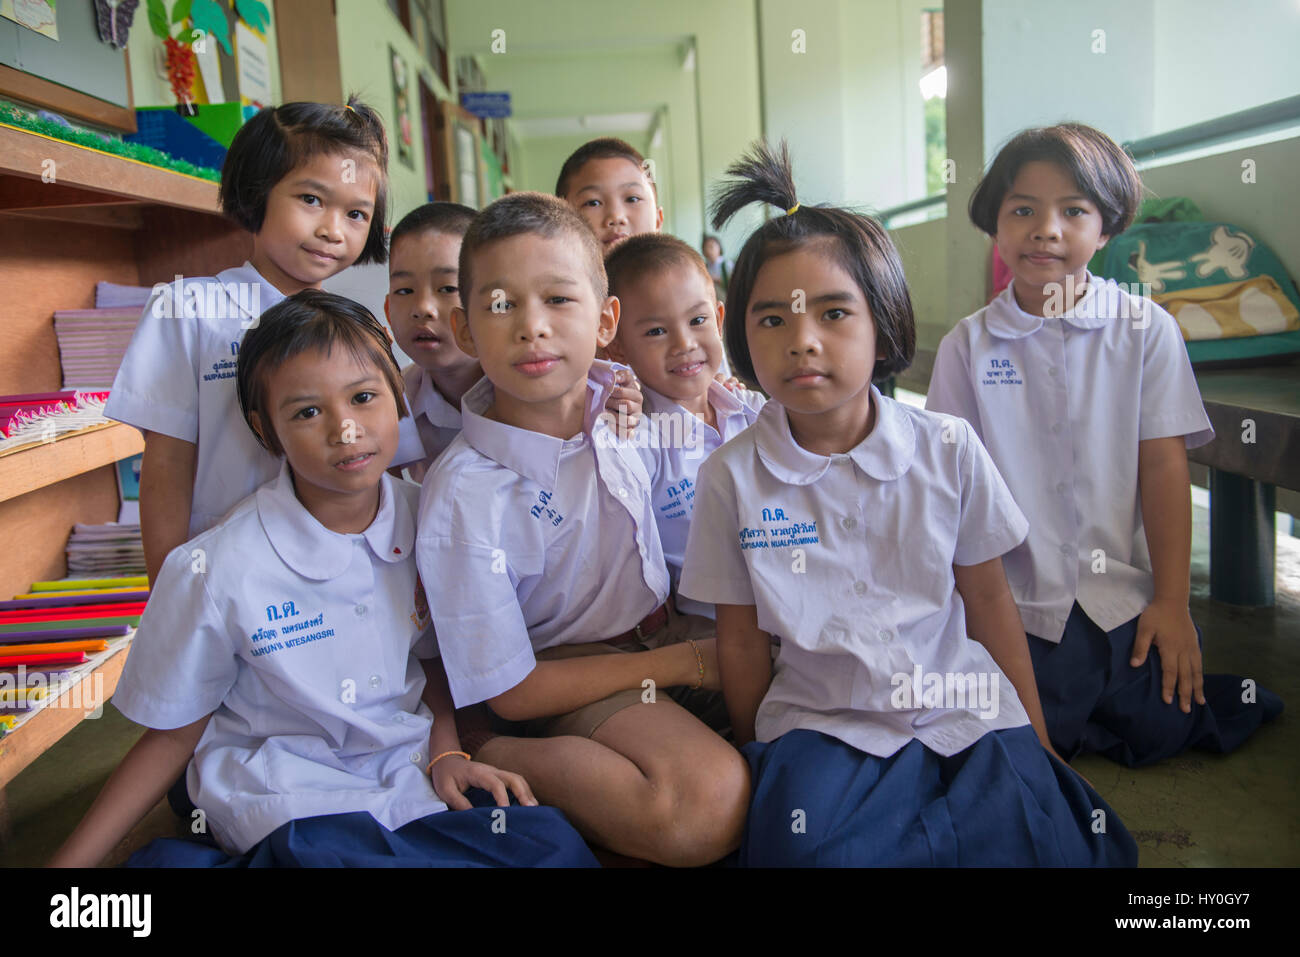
900, 724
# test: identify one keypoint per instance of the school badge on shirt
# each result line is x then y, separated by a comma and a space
1001, 372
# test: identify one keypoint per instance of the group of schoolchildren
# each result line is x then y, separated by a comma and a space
632, 605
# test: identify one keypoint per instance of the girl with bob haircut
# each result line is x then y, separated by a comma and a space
1082, 391
899, 724
286, 660
309, 181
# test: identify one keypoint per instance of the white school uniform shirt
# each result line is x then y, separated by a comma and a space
677, 443
535, 541
1061, 404
178, 378
436, 419
848, 560
302, 644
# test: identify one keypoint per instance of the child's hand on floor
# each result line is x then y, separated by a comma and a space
453, 775
1168, 625
625, 402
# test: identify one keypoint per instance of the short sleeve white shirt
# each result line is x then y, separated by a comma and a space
848, 559
178, 378
677, 441
436, 419
1061, 405
532, 541
302, 644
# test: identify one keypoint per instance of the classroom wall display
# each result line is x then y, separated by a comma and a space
402, 109
114, 19
35, 15
254, 67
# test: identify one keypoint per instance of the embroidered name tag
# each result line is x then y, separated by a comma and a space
1001, 372
779, 531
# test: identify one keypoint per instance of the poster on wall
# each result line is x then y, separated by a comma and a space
35, 15
254, 67
402, 109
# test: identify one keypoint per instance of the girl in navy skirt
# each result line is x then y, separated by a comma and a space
286, 656
899, 724
1084, 396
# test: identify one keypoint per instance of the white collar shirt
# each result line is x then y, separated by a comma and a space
848, 560
177, 378
302, 644
436, 419
676, 442
1062, 405
527, 541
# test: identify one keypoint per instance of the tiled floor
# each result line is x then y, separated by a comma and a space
1197, 810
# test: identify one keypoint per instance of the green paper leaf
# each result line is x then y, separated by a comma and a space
180, 11
158, 20
208, 16
254, 13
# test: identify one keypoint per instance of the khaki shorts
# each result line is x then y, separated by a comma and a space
706, 705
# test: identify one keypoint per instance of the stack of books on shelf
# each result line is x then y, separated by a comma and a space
92, 342
42, 417
57, 634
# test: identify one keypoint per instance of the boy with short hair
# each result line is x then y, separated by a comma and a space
542, 517
670, 333
611, 186
423, 264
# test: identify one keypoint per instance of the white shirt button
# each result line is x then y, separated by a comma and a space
360, 610
376, 681
849, 523
416, 757
860, 587
886, 634
1067, 549
622, 493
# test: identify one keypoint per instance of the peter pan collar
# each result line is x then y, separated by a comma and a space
431, 403
268, 295
316, 552
885, 454
1005, 319
531, 454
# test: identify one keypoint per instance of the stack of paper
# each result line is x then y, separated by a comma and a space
92, 343
105, 550
36, 418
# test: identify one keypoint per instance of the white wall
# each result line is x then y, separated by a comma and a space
1213, 58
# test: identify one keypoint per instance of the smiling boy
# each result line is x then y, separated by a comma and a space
542, 518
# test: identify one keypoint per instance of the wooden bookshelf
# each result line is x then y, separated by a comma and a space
44, 464
104, 217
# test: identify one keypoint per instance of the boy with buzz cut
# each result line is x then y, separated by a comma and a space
610, 184
423, 264
541, 518
670, 333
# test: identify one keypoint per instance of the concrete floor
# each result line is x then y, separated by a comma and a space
1199, 810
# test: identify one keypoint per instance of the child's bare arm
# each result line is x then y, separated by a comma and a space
745, 660
993, 620
561, 685
1164, 487
166, 497
139, 782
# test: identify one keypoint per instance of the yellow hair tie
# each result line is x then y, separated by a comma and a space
348, 106
792, 209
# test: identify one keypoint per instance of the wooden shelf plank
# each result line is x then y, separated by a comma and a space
24, 745
24, 154
30, 469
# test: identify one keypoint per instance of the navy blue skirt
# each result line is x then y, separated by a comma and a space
1004, 801
521, 837
1093, 701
